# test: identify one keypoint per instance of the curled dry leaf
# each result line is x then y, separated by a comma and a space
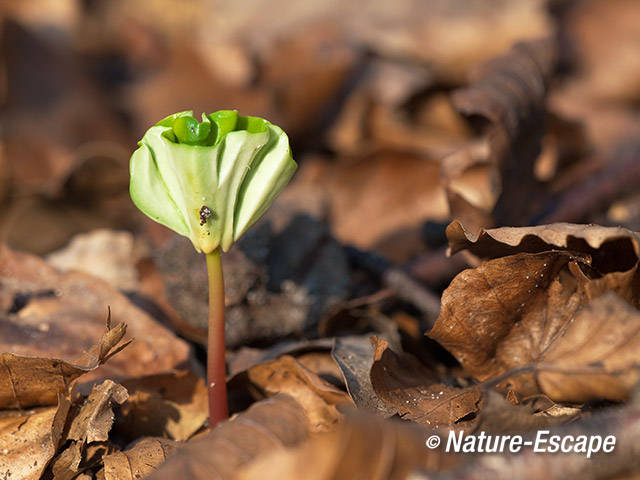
510, 93
139, 460
365, 446
534, 314
269, 424
354, 356
319, 398
28, 441
404, 383
172, 405
88, 431
60, 315
30, 381
95, 419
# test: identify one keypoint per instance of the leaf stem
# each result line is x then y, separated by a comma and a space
216, 373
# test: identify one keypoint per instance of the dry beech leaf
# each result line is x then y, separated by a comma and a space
371, 197
172, 405
269, 424
29, 440
508, 91
95, 419
597, 356
525, 311
354, 356
247, 357
90, 425
30, 381
611, 248
364, 447
319, 398
107, 254
415, 392
139, 460
53, 314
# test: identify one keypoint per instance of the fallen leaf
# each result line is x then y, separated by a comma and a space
247, 357
319, 398
354, 356
61, 315
31, 381
139, 460
597, 355
416, 393
29, 440
509, 91
171, 405
365, 446
88, 431
107, 254
95, 419
273, 423
518, 315
611, 248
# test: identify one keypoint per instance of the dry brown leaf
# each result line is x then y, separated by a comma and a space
364, 447
29, 440
30, 381
526, 311
416, 393
107, 254
272, 423
139, 460
61, 315
354, 356
610, 248
88, 431
319, 398
95, 419
597, 356
508, 91
172, 405
372, 197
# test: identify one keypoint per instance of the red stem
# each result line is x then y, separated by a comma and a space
216, 373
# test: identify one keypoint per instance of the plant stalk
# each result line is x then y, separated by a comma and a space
216, 372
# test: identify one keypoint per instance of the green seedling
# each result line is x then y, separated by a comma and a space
211, 181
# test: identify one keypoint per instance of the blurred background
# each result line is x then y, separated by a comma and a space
367, 92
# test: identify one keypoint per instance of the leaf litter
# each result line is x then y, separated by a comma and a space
523, 114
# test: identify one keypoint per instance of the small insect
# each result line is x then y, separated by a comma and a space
205, 213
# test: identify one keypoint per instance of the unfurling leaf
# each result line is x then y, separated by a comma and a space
210, 181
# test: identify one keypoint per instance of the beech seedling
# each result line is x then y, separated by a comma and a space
211, 181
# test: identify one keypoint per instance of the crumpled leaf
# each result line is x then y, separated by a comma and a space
29, 440
88, 431
30, 381
618, 247
139, 460
95, 419
319, 398
416, 393
597, 357
61, 315
519, 315
171, 405
273, 423
365, 446
354, 356
508, 91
